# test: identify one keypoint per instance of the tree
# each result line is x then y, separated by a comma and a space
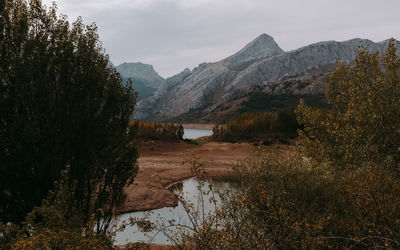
180, 132
61, 107
362, 121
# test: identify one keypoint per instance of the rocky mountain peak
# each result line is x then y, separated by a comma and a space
139, 71
261, 63
262, 47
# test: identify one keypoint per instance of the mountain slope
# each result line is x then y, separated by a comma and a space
260, 63
145, 80
141, 71
205, 80
263, 46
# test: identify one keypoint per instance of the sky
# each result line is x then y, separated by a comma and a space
173, 35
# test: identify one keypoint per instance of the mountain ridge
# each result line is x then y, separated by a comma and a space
262, 47
260, 63
138, 70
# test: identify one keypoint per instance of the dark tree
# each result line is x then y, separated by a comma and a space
60, 107
180, 132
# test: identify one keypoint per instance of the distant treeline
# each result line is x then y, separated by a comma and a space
148, 130
265, 102
258, 126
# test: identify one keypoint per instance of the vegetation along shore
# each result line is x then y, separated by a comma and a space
307, 151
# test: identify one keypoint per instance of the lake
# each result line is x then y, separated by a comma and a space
190, 191
191, 133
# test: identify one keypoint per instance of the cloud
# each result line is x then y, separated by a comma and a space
174, 34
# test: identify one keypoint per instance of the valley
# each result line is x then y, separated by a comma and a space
285, 140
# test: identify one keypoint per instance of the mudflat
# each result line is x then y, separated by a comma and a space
161, 164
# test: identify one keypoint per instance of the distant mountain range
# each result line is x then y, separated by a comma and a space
261, 76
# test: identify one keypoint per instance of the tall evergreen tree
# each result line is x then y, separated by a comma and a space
60, 107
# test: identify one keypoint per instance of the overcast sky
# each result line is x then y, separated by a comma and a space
176, 34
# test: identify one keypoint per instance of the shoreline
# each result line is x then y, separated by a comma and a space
198, 126
168, 187
162, 164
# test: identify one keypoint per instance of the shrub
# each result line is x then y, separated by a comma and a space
362, 122
256, 126
55, 224
282, 201
148, 130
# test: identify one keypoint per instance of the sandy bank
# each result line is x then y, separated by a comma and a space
161, 164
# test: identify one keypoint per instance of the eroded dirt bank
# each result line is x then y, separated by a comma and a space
161, 164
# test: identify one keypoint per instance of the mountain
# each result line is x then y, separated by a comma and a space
145, 80
261, 47
260, 67
140, 71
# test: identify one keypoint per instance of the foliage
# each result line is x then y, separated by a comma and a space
260, 101
282, 201
362, 122
60, 105
296, 205
148, 130
258, 126
346, 192
55, 224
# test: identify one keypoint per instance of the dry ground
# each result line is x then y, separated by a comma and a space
161, 165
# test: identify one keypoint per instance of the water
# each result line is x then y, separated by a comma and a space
191, 194
191, 133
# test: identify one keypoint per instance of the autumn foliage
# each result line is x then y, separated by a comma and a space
342, 190
149, 130
362, 122
258, 126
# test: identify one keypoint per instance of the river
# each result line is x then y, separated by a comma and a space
191, 133
190, 191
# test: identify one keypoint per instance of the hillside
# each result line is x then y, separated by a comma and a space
145, 80
213, 91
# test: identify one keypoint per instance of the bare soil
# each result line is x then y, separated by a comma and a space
161, 164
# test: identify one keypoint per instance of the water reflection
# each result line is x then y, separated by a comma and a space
191, 133
191, 193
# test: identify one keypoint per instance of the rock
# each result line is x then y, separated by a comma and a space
140, 71
262, 62
263, 46
145, 80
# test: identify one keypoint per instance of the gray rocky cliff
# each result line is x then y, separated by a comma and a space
262, 47
262, 62
140, 71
